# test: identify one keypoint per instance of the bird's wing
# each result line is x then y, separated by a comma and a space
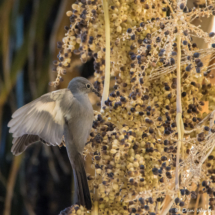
42, 118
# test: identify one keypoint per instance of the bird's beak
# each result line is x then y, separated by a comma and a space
96, 92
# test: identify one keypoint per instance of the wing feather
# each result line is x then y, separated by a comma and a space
42, 118
21, 143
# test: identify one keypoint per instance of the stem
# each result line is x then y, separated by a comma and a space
179, 121
197, 204
178, 105
11, 183
204, 203
168, 206
168, 202
107, 53
95, 210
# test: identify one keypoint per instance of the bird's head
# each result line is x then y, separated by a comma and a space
82, 85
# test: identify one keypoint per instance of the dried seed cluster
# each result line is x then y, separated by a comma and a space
87, 29
134, 138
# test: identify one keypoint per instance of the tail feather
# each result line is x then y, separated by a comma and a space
82, 193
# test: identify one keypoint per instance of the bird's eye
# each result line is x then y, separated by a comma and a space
88, 86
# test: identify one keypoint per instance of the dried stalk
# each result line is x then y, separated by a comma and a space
180, 128
197, 204
179, 121
106, 82
107, 53
167, 204
204, 204
95, 210
10, 184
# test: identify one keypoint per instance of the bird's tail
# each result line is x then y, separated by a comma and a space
82, 193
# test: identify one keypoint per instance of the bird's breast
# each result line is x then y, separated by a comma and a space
80, 123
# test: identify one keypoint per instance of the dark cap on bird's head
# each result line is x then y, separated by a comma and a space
80, 84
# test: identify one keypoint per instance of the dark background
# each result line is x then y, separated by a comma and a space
40, 180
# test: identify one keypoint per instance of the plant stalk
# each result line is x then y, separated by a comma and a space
11, 183
95, 210
179, 121
107, 53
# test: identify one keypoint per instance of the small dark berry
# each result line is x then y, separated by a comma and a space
129, 30
182, 192
185, 42
198, 70
158, 39
211, 34
142, 24
196, 55
148, 47
155, 171
182, 6
166, 33
146, 207
185, 33
177, 200
183, 94
141, 200
133, 37
167, 88
206, 128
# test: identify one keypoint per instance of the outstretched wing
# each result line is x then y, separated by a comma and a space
42, 118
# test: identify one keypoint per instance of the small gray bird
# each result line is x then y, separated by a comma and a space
65, 112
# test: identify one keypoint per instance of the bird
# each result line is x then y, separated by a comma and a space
62, 113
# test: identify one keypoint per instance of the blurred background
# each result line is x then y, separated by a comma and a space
40, 180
